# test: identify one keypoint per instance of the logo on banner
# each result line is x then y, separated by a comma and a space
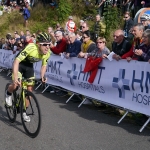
121, 83
72, 74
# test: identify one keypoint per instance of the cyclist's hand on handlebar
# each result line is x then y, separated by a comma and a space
17, 81
44, 79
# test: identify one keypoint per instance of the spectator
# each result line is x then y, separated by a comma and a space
145, 3
50, 29
26, 15
61, 43
101, 50
28, 32
23, 41
17, 36
120, 45
28, 40
70, 25
33, 37
19, 45
22, 35
99, 27
88, 45
126, 4
74, 46
145, 20
137, 5
137, 31
85, 26
143, 52
81, 22
127, 26
78, 35
101, 7
13, 45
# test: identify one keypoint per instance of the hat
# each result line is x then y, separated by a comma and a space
81, 21
70, 17
145, 17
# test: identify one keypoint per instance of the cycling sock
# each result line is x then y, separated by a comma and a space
8, 93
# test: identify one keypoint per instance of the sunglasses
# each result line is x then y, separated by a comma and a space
125, 17
84, 37
100, 42
45, 44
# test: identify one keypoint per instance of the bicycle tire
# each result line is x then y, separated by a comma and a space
32, 128
11, 110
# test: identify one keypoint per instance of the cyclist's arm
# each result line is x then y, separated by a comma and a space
15, 69
44, 65
43, 70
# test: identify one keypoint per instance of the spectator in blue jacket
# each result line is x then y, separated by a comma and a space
74, 47
26, 15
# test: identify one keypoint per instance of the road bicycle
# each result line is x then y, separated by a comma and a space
19, 98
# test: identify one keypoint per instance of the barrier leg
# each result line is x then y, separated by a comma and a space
70, 98
82, 102
38, 86
123, 117
45, 89
145, 124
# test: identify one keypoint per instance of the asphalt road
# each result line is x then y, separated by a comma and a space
67, 127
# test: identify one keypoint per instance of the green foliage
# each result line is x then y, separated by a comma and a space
64, 10
1, 8
112, 19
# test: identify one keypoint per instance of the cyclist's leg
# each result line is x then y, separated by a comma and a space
13, 86
9, 91
29, 74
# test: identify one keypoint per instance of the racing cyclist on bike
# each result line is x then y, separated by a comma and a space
23, 66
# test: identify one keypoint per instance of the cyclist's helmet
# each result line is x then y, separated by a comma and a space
43, 37
145, 17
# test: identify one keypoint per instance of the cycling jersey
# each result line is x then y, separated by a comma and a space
30, 54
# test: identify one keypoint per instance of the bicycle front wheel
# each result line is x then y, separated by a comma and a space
32, 127
11, 110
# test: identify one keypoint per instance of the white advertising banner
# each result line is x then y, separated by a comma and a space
119, 83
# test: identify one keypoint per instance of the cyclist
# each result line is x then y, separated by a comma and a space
23, 66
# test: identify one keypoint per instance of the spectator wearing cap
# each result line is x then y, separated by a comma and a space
145, 20
61, 43
70, 25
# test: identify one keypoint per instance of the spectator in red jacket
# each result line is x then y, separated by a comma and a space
137, 31
61, 43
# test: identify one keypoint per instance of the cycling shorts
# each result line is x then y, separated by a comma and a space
26, 72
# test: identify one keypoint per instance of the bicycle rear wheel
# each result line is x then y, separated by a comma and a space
32, 128
11, 110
